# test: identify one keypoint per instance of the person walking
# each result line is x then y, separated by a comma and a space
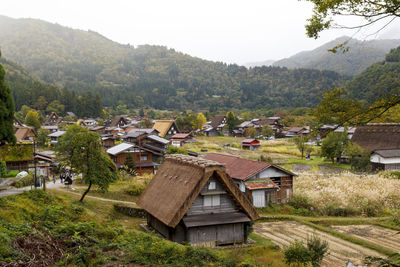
54, 178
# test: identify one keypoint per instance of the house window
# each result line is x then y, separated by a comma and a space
144, 157
211, 201
211, 186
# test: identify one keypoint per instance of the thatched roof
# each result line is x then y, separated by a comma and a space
217, 120
377, 136
177, 184
23, 133
163, 126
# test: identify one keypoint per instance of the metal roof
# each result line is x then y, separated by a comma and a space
119, 148
57, 134
388, 153
158, 139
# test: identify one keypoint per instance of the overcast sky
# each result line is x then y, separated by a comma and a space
220, 30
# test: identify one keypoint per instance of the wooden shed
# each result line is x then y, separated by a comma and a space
194, 200
251, 144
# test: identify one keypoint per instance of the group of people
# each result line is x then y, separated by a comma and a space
65, 178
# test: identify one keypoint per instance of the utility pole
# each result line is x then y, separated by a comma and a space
35, 181
140, 157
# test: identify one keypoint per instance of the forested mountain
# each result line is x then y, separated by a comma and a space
259, 63
360, 55
379, 80
85, 61
30, 91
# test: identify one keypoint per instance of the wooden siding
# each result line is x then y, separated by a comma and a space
286, 188
218, 234
226, 202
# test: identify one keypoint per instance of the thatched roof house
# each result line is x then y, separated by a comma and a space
378, 136
166, 128
194, 200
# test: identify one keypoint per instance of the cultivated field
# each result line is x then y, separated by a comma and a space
383, 237
340, 251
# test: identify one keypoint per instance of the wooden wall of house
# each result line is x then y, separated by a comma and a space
121, 158
286, 188
158, 226
226, 202
220, 234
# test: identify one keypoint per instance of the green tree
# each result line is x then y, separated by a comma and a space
42, 137
359, 158
250, 132
41, 103
297, 253
3, 169
318, 249
130, 165
324, 13
232, 121
6, 111
22, 113
267, 131
55, 106
81, 149
33, 119
333, 145
301, 144
200, 121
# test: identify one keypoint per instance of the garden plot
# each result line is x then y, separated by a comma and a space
383, 237
340, 251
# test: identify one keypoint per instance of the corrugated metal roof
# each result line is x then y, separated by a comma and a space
158, 139
57, 134
119, 148
262, 184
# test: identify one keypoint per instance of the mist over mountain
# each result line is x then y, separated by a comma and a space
361, 55
259, 63
153, 76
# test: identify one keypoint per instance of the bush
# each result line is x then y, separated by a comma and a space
3, 169
176, 150
332, 210
136, 188
26, 181
12, 173
314, 252
300, 202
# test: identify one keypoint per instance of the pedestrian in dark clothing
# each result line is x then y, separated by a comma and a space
54, 178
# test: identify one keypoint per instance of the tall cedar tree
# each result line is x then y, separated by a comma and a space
81, 149
6, 111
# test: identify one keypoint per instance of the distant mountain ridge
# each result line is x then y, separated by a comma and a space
152, 76
361, 55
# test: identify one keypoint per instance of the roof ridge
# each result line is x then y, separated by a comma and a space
199, 162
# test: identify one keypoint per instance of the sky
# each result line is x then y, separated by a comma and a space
230, 31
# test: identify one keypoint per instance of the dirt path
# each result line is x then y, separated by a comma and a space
383, 237
97, 198
340, 251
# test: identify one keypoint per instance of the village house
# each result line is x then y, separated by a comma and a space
166, 128
118, 122
297, 131
194, 200
272, 122
107, 141
251, 144
143, 158
216, 126
263, 182
55, 136
25, 134
53, 119
382, 140
350, 131
17, 157
43, 164
50, 128
148, 139
180, 139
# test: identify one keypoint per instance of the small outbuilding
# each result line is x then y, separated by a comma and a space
194, 200
251, 144
386, 159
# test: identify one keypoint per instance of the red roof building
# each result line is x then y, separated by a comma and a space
251, 144
263, 182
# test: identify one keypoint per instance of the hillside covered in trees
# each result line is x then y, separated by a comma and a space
360, 55
30, 91
380, 80
153, 76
